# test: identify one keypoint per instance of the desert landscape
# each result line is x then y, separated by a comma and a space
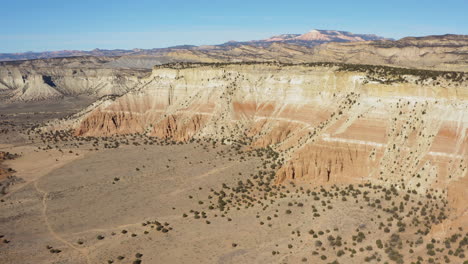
323, 147
237, 162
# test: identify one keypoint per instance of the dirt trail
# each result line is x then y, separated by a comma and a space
44, 194
210, 172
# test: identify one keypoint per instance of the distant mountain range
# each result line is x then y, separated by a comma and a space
309, 39
313, 38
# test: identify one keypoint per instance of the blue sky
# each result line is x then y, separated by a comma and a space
39, 25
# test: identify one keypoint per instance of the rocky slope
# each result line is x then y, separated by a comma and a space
49, 79
330, 123
446, 52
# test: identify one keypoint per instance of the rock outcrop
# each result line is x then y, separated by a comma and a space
330, 124
27, 82
447, 52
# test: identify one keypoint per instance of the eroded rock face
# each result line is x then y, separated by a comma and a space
302, 111
29, 83
445, 52
442, 52
329, 126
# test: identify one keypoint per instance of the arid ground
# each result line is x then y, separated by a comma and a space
139, 199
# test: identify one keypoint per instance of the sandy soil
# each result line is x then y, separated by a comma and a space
67, 204
134, 199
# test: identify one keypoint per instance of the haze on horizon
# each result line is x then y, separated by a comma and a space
85, 25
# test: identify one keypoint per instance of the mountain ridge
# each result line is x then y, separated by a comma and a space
309, 39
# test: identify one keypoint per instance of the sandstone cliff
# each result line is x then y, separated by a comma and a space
26, 82
330, 124
447, 52
99, 76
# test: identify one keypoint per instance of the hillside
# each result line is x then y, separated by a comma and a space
330, 124
347, 163
445, 52
311, 38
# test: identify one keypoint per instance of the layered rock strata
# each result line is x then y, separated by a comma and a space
329, 124
29, 83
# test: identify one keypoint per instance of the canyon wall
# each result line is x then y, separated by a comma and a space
32, 83
301, 111
329, 125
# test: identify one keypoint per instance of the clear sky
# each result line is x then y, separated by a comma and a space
39, 25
